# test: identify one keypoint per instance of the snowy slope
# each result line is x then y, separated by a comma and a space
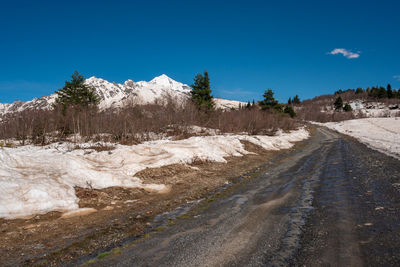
36, 180
368, 108
221, 103
382, 134
375, 109
118, 95
114, 94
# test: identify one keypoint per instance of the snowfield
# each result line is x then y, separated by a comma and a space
36, 180
382, 134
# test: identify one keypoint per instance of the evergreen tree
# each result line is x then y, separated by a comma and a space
289, 101
289, 110
76, 93
269, 101
338, 92
201, 91
359, 91
338, 103
347, 107
389, 91
396, 93
382, 92
296, 100
248, 106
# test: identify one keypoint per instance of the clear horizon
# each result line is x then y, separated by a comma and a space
308, 48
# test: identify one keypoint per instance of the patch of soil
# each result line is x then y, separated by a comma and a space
121, 213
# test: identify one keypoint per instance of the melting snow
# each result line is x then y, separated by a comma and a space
382, 134
35, 180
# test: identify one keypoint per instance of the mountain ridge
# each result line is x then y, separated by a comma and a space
116, 95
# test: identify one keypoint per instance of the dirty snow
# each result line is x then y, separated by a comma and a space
36, 180
382, 134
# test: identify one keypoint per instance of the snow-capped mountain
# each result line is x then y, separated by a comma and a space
114, 95
117, 95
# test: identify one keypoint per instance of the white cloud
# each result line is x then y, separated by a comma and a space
346, 53
397, 77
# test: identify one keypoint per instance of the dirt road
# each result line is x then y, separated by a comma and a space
333, 202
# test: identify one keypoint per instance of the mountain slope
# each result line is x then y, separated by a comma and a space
114, 95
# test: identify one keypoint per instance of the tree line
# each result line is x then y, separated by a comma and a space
76, 113
374, 92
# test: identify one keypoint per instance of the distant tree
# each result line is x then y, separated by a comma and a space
296, 100
289, 110
396, 93
289, 101
338, 92
347, 107
338, 103
201, 91
76, 93
359, 91
269, 101
382, 92
389, 91
248, 106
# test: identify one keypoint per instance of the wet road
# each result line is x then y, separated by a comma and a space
332, 201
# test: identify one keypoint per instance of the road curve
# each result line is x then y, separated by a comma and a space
331, 202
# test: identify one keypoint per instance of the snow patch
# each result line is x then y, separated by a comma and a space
382, 134
35, 180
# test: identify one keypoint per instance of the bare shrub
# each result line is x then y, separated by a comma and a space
134, 124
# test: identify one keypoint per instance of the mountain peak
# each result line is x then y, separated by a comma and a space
162, 80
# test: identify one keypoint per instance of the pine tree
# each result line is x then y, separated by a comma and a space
296, 100
289, 101
338, 103
347, 107
382, 92
269, 101
289, 110
201, 91
76, 93
359, 91
389, 91
248, 106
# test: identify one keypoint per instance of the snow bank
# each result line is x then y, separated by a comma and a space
35, 180
382, 134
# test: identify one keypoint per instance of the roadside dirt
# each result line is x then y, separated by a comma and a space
120, 213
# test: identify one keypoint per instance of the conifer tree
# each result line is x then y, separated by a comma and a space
248, 105
289, 110
338, 103
201, 91
296, 100
347, 107
269, 101
382, 92
289, 101
389, 91
76, 93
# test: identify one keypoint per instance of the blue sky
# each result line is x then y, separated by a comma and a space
246, 46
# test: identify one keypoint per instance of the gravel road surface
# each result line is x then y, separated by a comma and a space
331, 202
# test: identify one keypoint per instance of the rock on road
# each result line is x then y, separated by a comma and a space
332, 201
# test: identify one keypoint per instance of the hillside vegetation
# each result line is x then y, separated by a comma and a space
355, 103
75, 115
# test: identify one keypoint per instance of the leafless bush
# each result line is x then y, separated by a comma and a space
136, 123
